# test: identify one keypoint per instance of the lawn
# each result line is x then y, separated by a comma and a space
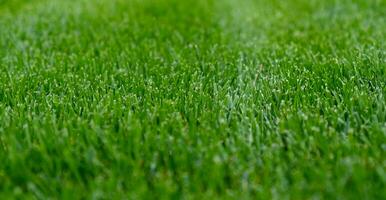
192, 99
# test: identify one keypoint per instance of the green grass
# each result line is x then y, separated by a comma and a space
192, 99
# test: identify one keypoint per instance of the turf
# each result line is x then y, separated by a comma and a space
192, 99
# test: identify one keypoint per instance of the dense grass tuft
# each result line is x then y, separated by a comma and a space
193, 99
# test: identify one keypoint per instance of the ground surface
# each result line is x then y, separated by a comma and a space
194, 99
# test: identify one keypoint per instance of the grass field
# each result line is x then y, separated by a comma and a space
192, 99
